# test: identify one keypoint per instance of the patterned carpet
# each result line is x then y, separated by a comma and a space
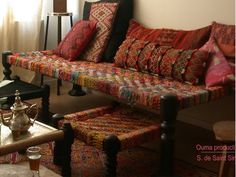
138, 162
89, 162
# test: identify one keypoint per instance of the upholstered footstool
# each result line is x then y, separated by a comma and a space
225, 133
114, 129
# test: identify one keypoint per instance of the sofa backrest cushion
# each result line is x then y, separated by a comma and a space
218, 71
182, 65
76, 40
180, 39
120, 26
225, 38
103, 14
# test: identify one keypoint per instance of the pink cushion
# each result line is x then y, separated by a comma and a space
76, 40
218, 71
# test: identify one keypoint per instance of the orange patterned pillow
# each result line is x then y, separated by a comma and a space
103, 14
225, 38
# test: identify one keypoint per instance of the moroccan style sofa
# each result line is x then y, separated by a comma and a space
163, 70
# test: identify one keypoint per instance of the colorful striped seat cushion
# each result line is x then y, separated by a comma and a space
129, 86
132, 126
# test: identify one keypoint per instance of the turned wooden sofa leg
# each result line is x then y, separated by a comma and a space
6, 66
76, 91
168, 113
111, 146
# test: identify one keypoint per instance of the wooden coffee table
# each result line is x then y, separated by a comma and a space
41, 133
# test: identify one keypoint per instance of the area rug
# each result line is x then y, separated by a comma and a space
138, 162
89, 162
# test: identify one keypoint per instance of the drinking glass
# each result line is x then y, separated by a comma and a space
33, 154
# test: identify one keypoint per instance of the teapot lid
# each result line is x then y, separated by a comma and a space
18, 105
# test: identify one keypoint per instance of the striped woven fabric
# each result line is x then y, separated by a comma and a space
132, 127
129, 86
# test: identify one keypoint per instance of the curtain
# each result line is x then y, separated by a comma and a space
20, 23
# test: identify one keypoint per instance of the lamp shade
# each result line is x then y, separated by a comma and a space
59, 6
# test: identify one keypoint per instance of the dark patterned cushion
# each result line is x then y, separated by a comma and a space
155, 59
225, 38
122, 53
191, 66
133, 54
145, 55
182, 65
103, 14
76, 40
176, 38
120, 26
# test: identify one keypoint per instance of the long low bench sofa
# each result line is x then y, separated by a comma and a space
159, 69
132, 87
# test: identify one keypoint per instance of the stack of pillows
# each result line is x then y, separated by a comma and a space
107, 33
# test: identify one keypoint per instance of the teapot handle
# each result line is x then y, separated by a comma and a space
35, 106
1, 117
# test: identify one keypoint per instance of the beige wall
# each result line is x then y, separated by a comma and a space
181, 14
184, 14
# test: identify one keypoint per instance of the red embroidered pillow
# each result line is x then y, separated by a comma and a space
122, 53
76, 40
155, 59
103, 14
183, 65
145, 55
193, 39
180, 39
134, 54
224, 36
218, 71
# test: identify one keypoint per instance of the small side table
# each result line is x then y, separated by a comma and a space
41, 133
59, 15
225, 133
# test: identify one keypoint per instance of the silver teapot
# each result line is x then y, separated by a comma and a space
19, 122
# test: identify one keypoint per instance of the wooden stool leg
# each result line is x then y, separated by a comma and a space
224, 166
111, 146
62, 151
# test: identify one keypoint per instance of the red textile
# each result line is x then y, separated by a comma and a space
182, 65
76, 40
180, 39
225, 38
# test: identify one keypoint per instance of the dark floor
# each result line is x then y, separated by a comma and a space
189, 138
